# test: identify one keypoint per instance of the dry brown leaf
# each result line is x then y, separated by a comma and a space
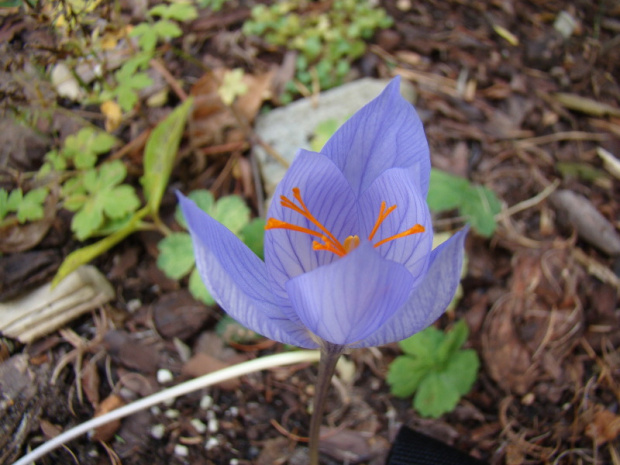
604, 427
107, 431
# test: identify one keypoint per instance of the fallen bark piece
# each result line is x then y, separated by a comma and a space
46, 309
590, 225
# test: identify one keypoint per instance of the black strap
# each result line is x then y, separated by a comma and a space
413, 448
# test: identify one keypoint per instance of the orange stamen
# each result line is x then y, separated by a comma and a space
383, 214
418, 228
330, 243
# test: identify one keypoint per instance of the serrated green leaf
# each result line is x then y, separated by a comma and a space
423, 345
452, 341
120, 201
232, 86
31, 206
253, 235
198, 289
204, 200
405, 374
167, 29
160, 152
14, 199
232, 212
179, 11
87, 220
103, 142
84, 160
462, 370
435, 396
84, 255
176, 255
127, 98
108, 175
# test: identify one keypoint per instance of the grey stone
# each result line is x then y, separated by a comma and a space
290, 128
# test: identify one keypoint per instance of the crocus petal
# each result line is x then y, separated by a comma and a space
350, 299
237, 279
386, 133
429, 300
396, 187
328, 197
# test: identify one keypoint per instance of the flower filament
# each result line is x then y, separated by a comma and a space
329, 242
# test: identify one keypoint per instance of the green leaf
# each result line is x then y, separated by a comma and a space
232, 86
423, 345
31, 206
84, 146
323, 131
480, 208
176, 255
14, 200
405, 374
4, 203
435, 396
120, 201
198, 289
253, 235
108, 175
88, 219
160, 152
462, 370
167, 29
84, 255
232, 212
446, 191
179, 11
452, 341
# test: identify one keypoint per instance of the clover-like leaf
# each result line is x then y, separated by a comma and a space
423, 345
84, 146
120, 201
232, 212
31, 206
405, 374
435, 396
253, 235
232, 86
198, 289
167, 29
88, 219
452, 341
462, 370
176, 255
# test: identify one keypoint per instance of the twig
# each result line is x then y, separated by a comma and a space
562, 136
225, 374
529, 203
172, 82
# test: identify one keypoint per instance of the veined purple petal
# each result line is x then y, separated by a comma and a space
237, 279
329, 198
386, 133
350, 299
429, 300
396, 187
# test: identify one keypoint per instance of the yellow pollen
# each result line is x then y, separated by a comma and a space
329, 241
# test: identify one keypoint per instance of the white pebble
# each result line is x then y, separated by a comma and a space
158, 431
198, 425
133, 305
213, 425
234, 462
181, 450
172, 414
155, 410
233, 411
164, 376
206, 402
211, 443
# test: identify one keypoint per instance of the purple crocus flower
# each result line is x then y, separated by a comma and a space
348, 259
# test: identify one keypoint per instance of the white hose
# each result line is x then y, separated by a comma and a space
225, 374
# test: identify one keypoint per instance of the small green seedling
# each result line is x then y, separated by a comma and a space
435, 369
477, 203
29, 207
176, 253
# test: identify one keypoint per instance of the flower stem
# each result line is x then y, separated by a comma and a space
327, 365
